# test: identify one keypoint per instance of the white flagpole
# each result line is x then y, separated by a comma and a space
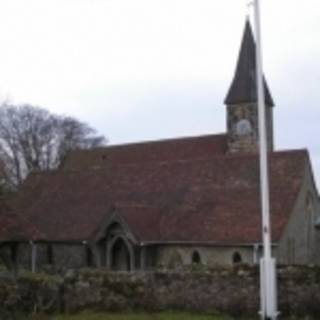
267, 263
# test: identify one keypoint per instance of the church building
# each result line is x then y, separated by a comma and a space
171, 203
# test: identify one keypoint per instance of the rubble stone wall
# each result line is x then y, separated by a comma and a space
230, 290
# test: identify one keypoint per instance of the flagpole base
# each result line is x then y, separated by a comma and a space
268, 289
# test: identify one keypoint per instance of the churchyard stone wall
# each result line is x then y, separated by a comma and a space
230, 290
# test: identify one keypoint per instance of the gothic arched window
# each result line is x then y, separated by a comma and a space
236, 258
89, 256
49, 253
196, 257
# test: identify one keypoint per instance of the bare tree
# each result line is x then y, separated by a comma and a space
32, 138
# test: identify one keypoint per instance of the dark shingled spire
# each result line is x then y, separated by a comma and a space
244, 85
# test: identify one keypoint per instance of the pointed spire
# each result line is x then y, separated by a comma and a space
244, 85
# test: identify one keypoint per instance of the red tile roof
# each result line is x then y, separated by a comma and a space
213, 198
15, 228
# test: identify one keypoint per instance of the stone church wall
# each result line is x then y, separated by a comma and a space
69, 256
24, 255
299, 245
172, 256
300, 242
247, 142
58, 258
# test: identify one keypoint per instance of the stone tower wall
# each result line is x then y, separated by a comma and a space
247, 142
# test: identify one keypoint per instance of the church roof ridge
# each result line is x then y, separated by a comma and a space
155, 141
152, 151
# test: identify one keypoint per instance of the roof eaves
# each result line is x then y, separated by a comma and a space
204, 243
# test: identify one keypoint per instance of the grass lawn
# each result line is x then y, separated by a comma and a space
168, 315
140, 316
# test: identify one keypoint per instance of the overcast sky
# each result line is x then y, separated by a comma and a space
150, 69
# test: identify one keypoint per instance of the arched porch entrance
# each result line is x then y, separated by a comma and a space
120, 256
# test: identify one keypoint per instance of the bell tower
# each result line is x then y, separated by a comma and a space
242, 102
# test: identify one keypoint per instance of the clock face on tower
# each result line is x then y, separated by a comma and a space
243, 127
